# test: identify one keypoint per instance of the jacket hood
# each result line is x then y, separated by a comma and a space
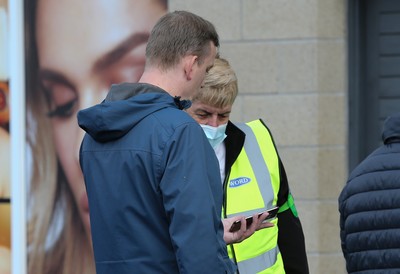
126, 104
391, 129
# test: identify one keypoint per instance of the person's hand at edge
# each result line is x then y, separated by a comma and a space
243, 233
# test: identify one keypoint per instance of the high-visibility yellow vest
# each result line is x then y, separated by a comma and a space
253, 187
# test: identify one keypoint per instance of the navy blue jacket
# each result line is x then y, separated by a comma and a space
369, 208
153, 186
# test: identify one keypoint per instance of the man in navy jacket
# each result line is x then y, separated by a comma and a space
152, 178
369, 208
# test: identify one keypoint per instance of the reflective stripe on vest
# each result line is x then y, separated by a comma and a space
257, 264
253, 186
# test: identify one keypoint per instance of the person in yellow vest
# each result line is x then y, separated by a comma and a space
253, 177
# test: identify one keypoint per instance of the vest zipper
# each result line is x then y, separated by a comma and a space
225, 188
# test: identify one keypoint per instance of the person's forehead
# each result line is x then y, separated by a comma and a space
90, 28
64, 15
200, 106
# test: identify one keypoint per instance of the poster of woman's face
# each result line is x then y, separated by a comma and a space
75, 50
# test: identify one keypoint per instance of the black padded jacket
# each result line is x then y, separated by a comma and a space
369, 207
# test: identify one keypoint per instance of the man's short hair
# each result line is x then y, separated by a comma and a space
178, 34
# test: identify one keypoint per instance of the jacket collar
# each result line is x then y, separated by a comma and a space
234, 142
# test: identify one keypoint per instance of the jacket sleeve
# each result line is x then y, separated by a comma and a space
342, 209
291, 240
192, 196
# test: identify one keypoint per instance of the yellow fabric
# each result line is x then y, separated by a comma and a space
277, 268
247, 197
249, 190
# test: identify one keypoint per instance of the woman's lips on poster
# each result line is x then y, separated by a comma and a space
84, 202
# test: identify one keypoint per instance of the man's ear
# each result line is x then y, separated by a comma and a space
189, 66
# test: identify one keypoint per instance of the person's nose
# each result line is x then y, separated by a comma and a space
79, 138
89, 96
213, 121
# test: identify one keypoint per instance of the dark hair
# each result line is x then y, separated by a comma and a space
178, 34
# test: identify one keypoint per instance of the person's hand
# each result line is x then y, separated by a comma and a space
243, 233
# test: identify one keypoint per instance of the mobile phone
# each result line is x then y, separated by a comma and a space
249, 219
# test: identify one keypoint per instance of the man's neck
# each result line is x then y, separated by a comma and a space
168, 80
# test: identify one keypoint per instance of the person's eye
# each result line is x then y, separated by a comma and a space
63, 111
128, 70
202, 115
62, 100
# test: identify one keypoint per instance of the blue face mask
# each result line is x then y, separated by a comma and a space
215, 135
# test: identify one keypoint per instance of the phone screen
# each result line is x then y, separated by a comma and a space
249, 220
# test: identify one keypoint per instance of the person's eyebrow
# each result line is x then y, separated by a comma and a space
200, 110
208, 113
120, 50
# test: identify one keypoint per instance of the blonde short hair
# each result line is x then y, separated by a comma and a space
220, 86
